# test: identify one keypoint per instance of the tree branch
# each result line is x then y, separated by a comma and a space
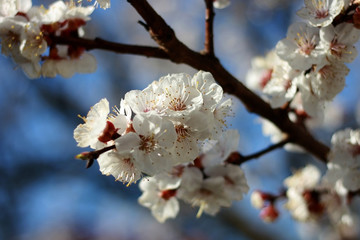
99, 43
209, 28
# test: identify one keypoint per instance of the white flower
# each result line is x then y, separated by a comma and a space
261, 70
300, 47
179, 97
282, 86
189, 132
221, 112
344, 160
86, 63
338, 42
212, 92
143, 102
221, 3
162, 202
297, 205
338, 210
305, 178
269, 129
320, 13
87, 134
32, 44
169, 180
12, 30
311, 103
59, 11
8, 8
122, 118
328, 81
151, 144
208, 194
235, 182
122, 166
304, 202
345, 148
221, 150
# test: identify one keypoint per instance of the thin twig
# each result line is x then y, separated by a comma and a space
90, 157
209, 28
266, 150
238, 159
99, 43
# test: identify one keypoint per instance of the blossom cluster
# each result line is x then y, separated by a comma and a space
309, 196
310, 61
304, 73
26, 30
158, 132
306, 70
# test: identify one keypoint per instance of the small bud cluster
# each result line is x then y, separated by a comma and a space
158, 132
265, 202
25, 32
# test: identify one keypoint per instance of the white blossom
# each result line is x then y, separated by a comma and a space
282, 86
344, 160
86, 63
122, 166
261, 70
208, 194
300, 47
320, 13
235, 182
338, 42
179, 97
221, 150
151, 144
162, 202
305, 178
87, 134
328, 81
212, 92
189, 132
9, 8
301, 194
219, 123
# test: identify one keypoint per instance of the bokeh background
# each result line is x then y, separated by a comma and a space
46, 194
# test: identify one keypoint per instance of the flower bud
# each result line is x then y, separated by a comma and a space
83, 156
269, 213
257, 199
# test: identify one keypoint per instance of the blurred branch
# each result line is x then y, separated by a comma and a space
176, 51
234, 220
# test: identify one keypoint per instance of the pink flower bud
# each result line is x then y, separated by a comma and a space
269, 213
